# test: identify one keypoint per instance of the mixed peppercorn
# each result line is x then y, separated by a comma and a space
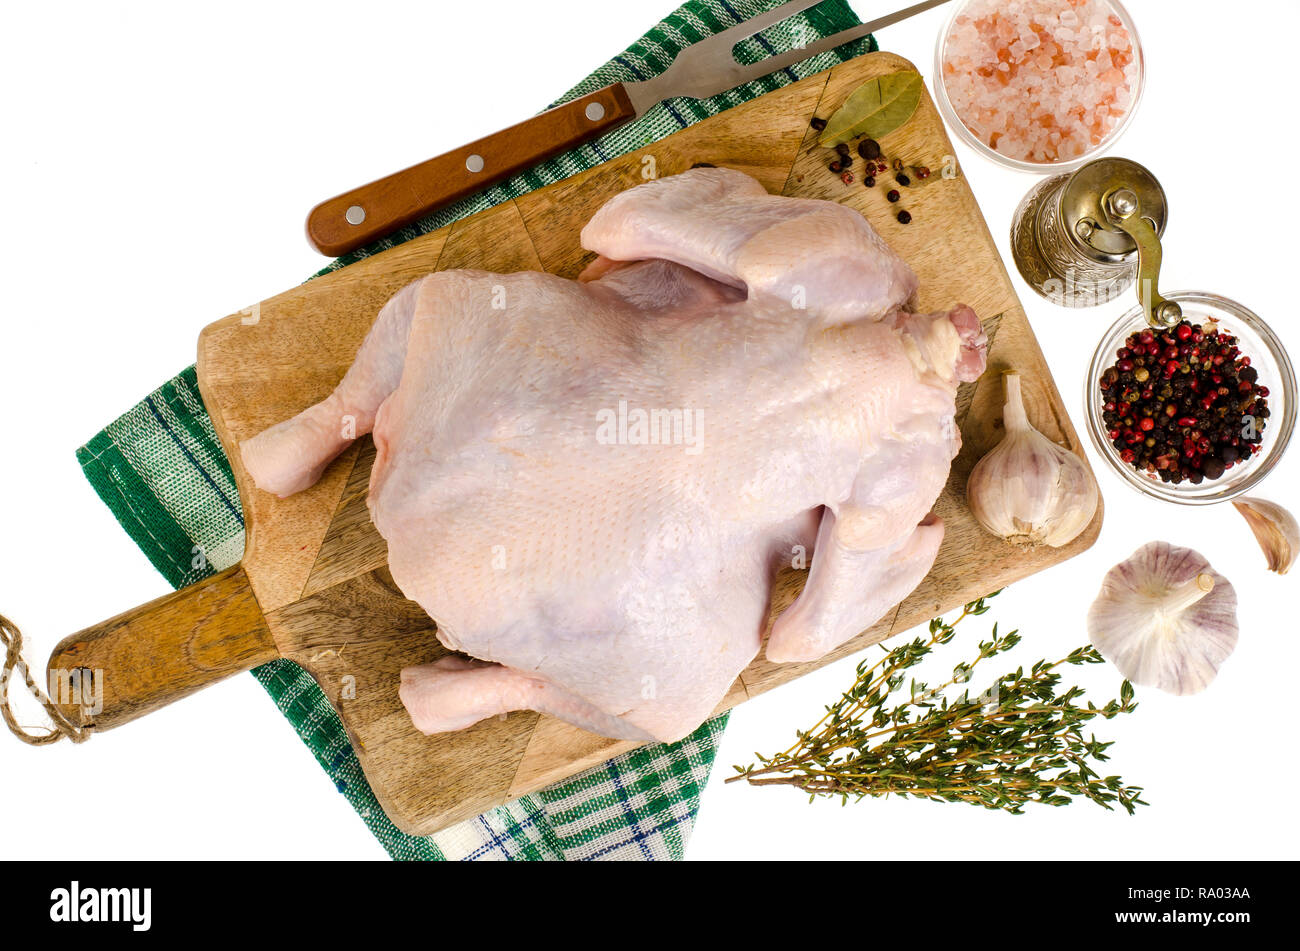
871, 154
1183, 404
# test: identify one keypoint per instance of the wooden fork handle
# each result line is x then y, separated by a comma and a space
358, 217
123, 668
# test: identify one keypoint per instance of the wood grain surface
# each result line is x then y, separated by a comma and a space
318, 567
160, 652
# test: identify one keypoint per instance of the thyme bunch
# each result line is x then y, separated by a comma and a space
1021, 741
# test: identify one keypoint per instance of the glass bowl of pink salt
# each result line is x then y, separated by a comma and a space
1039, 85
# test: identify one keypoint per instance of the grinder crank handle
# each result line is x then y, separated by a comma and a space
122, 668
362, 215
1123, 209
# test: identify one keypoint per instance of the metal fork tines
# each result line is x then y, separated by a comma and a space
709, 67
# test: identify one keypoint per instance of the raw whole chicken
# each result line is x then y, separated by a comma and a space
590, 484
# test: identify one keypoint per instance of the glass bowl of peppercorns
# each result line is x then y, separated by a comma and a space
1197, 413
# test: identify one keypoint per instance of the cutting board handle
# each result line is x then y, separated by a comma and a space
118, 670
362, 215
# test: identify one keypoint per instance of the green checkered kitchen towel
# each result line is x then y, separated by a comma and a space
162, 471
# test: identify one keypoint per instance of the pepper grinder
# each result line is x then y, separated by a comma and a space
1082, 239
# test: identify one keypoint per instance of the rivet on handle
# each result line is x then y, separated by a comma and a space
474, 163
355, 215
594, 111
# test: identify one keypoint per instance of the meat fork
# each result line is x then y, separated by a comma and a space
707, 68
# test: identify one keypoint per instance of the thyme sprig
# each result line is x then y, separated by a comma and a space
1019, 742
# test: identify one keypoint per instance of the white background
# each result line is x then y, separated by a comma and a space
158, 163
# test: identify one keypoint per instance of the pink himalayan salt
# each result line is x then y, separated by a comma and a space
1040, 80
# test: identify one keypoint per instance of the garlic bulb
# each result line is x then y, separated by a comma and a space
1027, 489
1165, 618
1275, 529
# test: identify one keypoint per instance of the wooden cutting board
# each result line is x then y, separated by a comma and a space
313, 584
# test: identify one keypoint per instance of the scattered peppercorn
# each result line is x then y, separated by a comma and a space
836, 167
897, 165
921, 172
869, 181
1184, 404
869, 149
847, 178
893, 195
818, 123
905, 217
902, 179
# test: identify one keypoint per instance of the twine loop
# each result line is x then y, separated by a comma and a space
12, 639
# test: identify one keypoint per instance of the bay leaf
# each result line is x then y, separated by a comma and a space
874, 109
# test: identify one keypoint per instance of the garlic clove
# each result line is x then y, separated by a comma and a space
1275, 529
1165, 619
1027, 489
